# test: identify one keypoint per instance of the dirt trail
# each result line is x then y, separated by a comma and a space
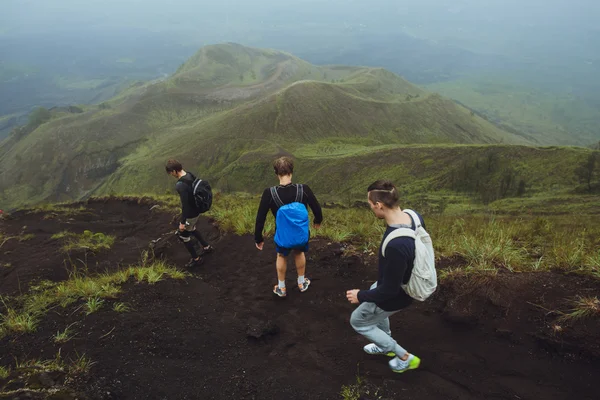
222, 334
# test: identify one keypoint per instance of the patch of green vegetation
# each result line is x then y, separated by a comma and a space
360, 389
132, 134
88, 240
26, 237
121, 307
80, 365
25, 313
53, 209
17, 322
353, 391
92, 305
485, 241
583, 307
549, 117
65, 335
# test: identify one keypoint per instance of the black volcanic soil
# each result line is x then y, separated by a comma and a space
222, 334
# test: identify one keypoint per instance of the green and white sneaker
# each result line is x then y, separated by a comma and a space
373, 349
399, 366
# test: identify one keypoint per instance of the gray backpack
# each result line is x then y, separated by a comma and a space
423, 281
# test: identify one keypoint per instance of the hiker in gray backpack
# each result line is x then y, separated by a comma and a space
287, 202
406, 272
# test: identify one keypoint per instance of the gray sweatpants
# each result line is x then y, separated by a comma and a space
374, 323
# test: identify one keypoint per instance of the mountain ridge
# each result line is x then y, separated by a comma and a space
259, 101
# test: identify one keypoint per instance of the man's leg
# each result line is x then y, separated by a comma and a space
190, 225
368, 320
202, 241
281, 265
300, 261
185, 238
385, 324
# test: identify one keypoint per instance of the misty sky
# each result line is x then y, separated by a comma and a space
48, 48
494, 26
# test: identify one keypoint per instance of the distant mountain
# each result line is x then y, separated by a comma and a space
227, 107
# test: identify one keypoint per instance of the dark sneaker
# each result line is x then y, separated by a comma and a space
208, 249
279, 291
194, 263
304, 286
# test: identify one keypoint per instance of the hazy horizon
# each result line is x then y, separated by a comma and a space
53, 52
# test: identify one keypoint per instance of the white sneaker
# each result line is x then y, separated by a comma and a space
372, 348
400, 366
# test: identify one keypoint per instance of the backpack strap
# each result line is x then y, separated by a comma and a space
415, 218
196, 186
299, 193
396, 233
276, 197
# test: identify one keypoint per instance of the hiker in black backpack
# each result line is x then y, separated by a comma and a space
399, 270
191, 209
288, 202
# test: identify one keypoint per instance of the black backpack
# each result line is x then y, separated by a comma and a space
202, 193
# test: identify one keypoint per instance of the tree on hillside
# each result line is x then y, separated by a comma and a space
39, 116
586, 171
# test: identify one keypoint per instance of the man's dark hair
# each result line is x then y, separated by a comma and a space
173, 165
283, 166
385, 192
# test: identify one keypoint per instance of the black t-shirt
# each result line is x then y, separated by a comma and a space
395, 269
188, 204
287, 194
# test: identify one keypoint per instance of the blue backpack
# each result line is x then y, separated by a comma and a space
291, 221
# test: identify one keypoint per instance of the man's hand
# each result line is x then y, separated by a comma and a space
352, 296
260, 245
182, 227
316, 226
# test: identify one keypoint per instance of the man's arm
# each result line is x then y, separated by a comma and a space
261, 216
396, 263
314, 205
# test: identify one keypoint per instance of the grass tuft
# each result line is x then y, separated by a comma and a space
583, 307
25, 237
18, 321
64, 336
121, 307
93, 289
88, 240
81, 365
92, 305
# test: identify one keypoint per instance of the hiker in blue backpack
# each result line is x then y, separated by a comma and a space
190, 211
406, 272
288, 202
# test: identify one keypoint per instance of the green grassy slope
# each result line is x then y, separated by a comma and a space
547, 117
227, 106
